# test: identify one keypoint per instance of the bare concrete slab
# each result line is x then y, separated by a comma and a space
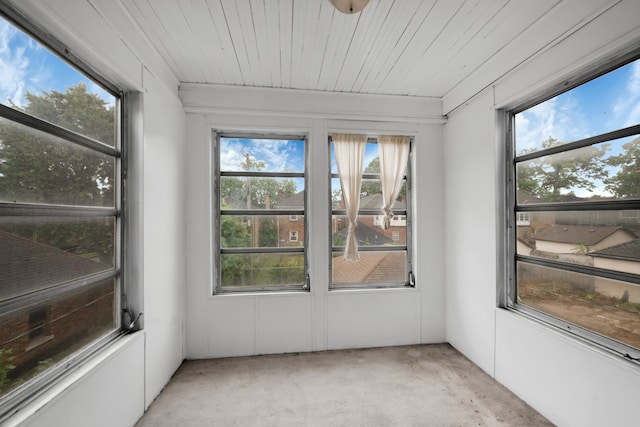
425, 385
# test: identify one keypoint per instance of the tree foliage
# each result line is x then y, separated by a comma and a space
369, 187
553, 178
252, 192
626, 183
39, 168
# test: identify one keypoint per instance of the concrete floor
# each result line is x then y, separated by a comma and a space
425, 385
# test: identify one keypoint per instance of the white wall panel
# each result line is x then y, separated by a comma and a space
470, 234
284, 324
107, 391
429, 215
358, 319
569, 382
230, 324
164, 225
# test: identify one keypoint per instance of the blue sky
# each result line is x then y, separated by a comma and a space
25, 66
602, 105
607, 103
277, 155
370, 153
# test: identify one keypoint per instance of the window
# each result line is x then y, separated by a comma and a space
293, 217
61, 214
384, 253
575, 169
261, 186
523, 218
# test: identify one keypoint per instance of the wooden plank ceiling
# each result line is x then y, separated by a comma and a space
399, 47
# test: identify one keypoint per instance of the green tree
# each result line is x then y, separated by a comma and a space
368, 187
549, 177
261, 190
626, 183
38, 168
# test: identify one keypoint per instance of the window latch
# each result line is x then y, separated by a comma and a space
307, 283
133, 319
412, 280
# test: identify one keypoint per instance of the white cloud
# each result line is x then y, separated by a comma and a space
536, 125
13, 66
633, 88
560, 118
278, 155
626, 109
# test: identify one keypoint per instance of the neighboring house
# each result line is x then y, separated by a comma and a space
528, 222
33, 332
291, 227
576, 239
397, 231
623, 257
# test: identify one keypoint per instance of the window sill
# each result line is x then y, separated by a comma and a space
363, 289
569, 332
261, 293
37, 342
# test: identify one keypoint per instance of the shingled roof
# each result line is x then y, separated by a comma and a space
372, 267
578, 234
27, 266
366, 235
293, 201
374, 201
628, 251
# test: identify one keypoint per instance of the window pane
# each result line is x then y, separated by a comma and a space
370, 195
266, 193
605, 239
369, 231
52, 90
262, 270
39, 335
596, 107
603, 171
607, 307
377, 267
260, 231
39, 168
37, 253
261, 155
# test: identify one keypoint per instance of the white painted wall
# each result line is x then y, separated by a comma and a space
567, 380
241, 324
114, 389
163, 231
470, 230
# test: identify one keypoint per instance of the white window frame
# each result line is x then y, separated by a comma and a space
293, 236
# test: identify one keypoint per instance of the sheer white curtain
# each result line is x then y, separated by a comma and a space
394, 153
349, 152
